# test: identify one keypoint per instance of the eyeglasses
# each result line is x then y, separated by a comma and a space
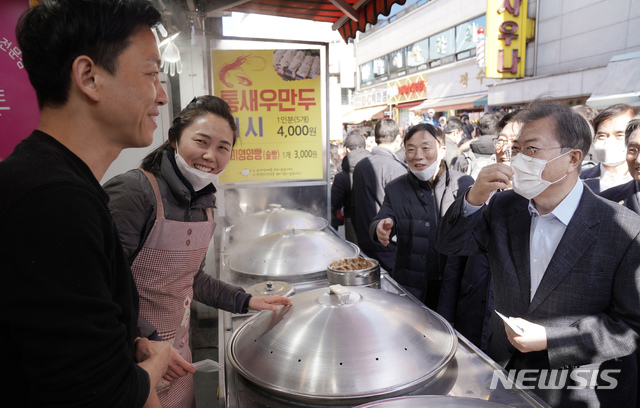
529, 151
632, 153
501, 142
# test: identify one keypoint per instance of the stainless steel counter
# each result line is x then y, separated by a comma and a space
468, 375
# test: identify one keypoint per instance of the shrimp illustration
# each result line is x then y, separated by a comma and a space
237, 68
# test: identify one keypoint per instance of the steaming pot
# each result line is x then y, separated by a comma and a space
343, 346
273, 219
289, 255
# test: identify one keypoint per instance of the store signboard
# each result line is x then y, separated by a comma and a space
19, 113
275, 96
372, 97
407, 89
507, 31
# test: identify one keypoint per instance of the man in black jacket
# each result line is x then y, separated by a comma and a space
68, 302
412, 208
370, 177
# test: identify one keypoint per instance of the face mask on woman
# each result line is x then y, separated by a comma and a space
198, 179
610, 152
428, 173
527, 180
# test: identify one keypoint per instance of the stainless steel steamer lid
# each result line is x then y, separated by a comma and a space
337, 349
289, 254
435, 401
273, 219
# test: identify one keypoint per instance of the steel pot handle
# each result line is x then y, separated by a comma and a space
341, 292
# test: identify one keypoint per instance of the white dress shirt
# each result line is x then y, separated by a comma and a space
545, 233
608, 179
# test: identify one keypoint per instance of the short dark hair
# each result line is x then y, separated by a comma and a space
52, 35
611, 111
355, 140
434, 131
386, 131
508, 117
572, 131
199, 106
452, 125
488, 124
632, 126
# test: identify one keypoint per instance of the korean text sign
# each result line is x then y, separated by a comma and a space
275, 97
508, 29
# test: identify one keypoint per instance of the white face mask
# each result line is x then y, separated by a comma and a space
610, 152
428, 173
527, 180
198, 179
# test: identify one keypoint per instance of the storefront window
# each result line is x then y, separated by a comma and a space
380, 67
398, 60
467, 33
442, 44
366, 72
418, 53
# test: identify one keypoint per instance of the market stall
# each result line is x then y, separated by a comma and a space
347, 346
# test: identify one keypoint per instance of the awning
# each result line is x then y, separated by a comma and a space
481, 102
408, 105
362, 114
620, 82
459, 102
347, 16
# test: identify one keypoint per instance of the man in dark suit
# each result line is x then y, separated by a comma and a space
609, 149
564, 261
628, 194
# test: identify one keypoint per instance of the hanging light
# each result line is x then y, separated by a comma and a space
171, 62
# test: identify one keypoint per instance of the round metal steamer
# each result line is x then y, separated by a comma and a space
436, 401
290, 255
273, 219
344, 347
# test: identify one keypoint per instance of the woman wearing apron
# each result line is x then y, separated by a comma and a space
163, 212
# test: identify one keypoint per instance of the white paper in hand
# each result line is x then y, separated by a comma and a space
517, 329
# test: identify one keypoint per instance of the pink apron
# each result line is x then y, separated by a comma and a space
164, 270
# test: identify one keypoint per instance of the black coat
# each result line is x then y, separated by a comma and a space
370, 178
341, 187
416, 209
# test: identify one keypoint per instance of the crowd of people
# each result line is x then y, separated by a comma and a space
510, 221
99, 280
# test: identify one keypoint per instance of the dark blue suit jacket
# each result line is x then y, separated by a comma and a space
588, 299
627, 194
591, 178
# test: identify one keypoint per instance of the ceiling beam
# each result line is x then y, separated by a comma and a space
221, 5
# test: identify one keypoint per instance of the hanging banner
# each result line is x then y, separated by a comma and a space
19, 113
275, 96
508, 30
